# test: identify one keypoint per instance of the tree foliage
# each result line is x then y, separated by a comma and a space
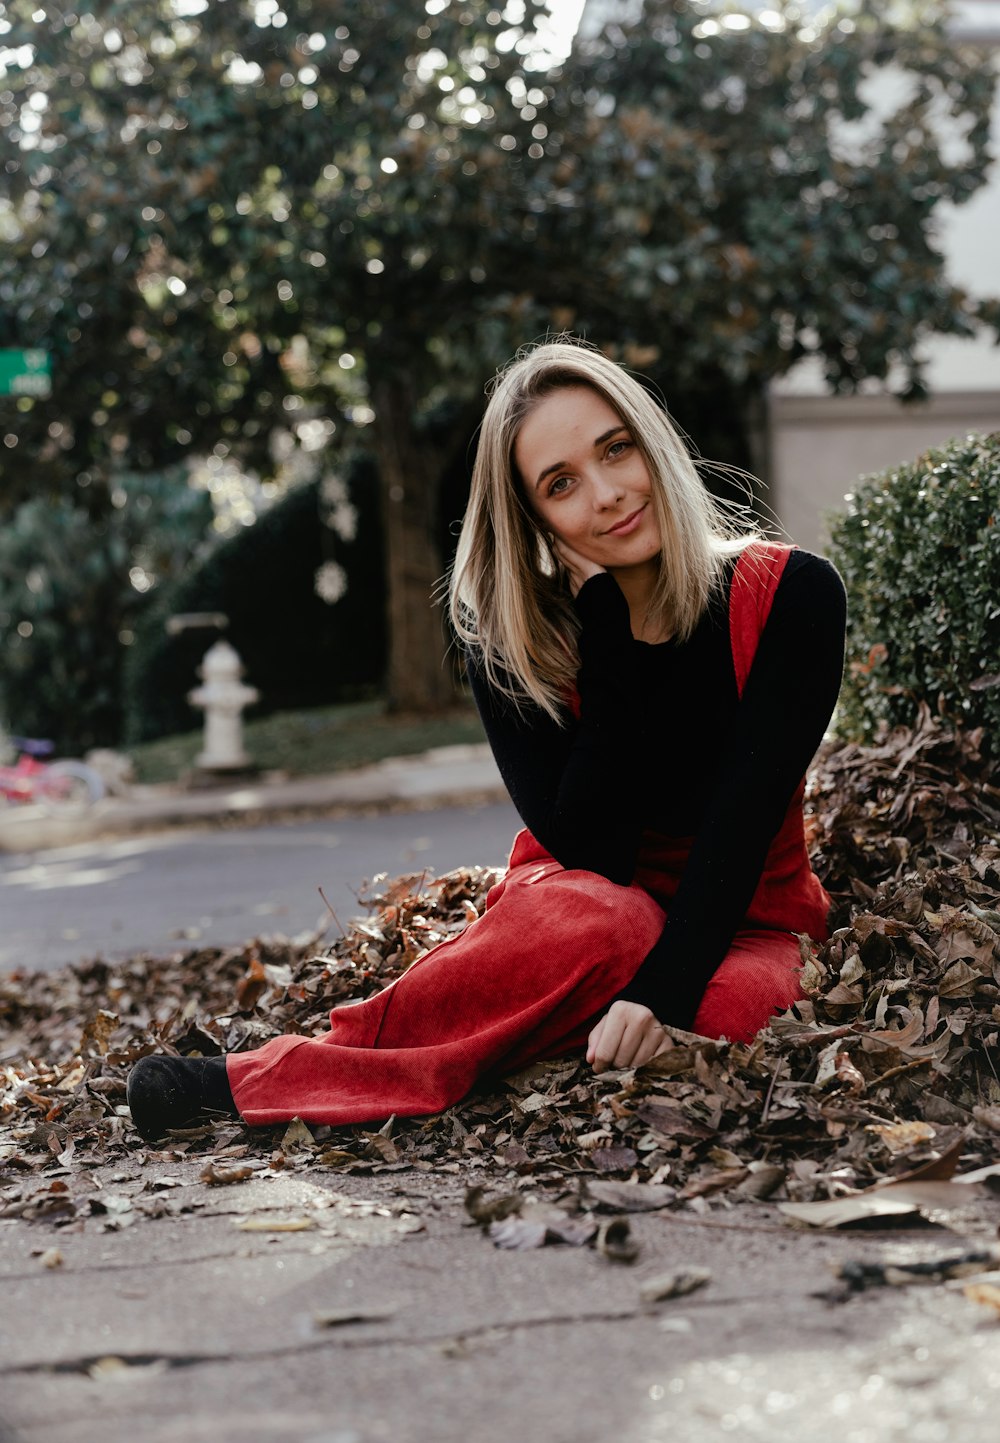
756, 200
244, 221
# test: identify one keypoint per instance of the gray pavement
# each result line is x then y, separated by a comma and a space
386, 1317
160, 891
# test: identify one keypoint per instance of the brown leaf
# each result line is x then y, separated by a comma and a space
681, 1059
490, 1210
539, 1224
381, 1146
714, 1182
673, 1285
900, 1137
762, 1181
630, 1197
671, 1121
847, 1074
960, 980
251, 988
519, 1234
615, 1242
276, 1225
99, 1030
297, 1135
217, 1175
614, 1159
902, 1273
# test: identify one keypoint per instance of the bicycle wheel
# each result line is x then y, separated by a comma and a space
66, 786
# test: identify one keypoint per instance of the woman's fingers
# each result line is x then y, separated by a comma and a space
578, 567
628, 1035
653, 1043
594, 1041
612, 1030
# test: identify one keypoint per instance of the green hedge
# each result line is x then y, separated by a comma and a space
73, 589
298, 650
919, 551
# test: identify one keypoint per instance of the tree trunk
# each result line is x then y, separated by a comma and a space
419, 676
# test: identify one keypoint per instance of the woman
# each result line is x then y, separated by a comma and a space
653, 686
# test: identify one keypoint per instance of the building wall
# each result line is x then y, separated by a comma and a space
821, 445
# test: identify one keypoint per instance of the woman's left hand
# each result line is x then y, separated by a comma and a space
579, 568
628, 1035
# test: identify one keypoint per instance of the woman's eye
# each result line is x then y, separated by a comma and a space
617, 447
558, 485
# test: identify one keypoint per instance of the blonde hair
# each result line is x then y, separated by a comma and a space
507, 599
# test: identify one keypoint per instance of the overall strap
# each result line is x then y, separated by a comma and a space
755, 580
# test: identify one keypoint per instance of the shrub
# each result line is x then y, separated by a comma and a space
298, 649
72, 588
919, 551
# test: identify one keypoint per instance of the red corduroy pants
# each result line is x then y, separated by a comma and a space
528, 980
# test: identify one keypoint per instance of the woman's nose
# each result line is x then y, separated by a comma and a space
605, 490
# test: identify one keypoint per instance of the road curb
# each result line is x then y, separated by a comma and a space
441, 777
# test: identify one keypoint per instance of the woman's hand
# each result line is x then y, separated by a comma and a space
628, 1035
578, 568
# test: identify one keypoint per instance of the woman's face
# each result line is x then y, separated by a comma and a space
586, 481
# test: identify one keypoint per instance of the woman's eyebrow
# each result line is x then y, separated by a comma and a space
598, 441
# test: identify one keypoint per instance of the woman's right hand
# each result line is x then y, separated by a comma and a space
628, 1035
578, 568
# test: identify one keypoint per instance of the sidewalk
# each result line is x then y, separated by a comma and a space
439, 777
310, 1305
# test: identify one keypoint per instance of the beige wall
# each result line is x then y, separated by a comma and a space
820, 445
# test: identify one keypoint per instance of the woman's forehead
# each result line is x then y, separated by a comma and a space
576, 414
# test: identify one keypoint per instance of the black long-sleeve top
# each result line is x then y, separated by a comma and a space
663, 741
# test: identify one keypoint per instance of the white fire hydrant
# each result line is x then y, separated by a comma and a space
223, 697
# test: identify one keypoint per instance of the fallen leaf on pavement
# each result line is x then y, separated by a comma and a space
276, 1225
933, 1200
673, 1285
337, 1317
860, 1276
296, 1135
490, 1210
630, 1197
615, 1242
538, 1224
216, 1175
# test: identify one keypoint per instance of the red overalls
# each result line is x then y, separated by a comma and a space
530, 978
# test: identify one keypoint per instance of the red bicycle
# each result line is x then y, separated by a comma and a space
60, 784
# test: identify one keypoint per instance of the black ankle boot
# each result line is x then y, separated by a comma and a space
165, 1092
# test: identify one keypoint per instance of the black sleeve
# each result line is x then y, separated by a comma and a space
567, 782
786, 706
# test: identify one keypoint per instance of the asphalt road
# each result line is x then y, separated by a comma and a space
161, 892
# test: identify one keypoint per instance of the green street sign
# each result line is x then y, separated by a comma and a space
25, 373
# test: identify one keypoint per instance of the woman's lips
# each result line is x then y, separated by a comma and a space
628, 524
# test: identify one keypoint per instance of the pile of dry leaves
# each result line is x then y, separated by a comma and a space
891, 1060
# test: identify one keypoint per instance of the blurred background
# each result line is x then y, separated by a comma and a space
258, 262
